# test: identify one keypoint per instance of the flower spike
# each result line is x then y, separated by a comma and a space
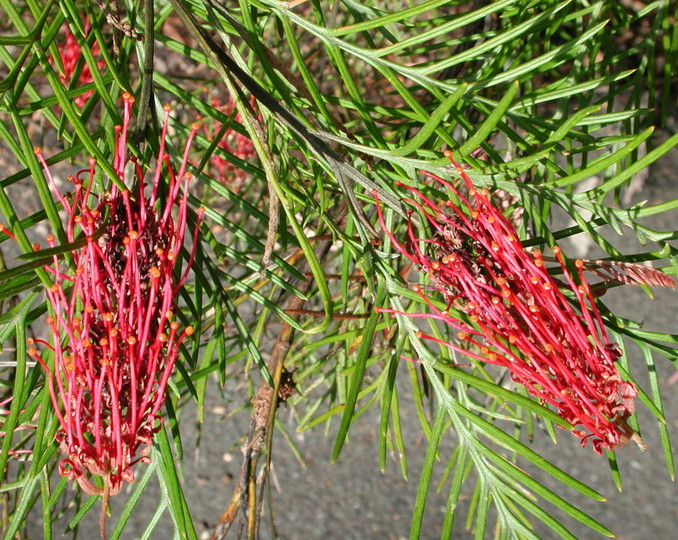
519, 315
115, 338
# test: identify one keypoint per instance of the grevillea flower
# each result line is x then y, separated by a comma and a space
233, 142
70, 53
115, 337
513, 313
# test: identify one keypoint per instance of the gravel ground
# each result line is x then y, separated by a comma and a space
353, 499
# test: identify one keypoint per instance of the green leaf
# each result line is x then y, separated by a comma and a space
426, 474
357, 376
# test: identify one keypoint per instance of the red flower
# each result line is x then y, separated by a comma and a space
516, 314
70, 53
232, 142
115, 337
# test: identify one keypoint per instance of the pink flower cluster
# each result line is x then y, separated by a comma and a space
115, 337
233, 142
70, 53
513, 313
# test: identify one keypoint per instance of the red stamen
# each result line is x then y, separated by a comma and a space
520, 319
109, 376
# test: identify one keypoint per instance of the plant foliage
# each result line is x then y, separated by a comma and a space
339, 99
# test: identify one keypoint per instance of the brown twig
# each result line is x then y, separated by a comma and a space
114, 18
273, 222
105, 497
261, 422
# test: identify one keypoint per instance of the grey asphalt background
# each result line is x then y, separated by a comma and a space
353, 499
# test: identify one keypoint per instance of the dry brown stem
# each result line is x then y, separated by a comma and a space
244, 497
